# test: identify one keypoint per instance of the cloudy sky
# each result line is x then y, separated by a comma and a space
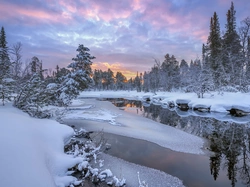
124, 35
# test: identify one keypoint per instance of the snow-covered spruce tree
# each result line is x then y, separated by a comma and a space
108, 80
248, 62
97, 77
120, 81
232, 50
155, 78
79, 78
213, 49
195, 72
37, 67
130, 84
206, 83
171, 73
146, 82
244, 32
138, 82
6, 82
184, 74
31, 97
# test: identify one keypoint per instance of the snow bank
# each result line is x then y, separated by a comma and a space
32, 151
216, 102
213, 102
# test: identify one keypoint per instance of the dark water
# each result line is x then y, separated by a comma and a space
229, 165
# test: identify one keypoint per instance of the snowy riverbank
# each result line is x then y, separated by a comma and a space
214, 101
32, 151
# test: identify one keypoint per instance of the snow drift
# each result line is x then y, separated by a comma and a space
32, 151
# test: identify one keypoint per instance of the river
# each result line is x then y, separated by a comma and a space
226, 164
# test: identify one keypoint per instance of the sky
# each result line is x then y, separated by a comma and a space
123, 35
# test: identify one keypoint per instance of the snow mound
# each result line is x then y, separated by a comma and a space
33, 151
182, 101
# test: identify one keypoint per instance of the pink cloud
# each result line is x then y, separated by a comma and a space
35, 13
107, 11
69, 6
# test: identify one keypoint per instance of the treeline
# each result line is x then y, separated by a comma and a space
224, 66
106, 80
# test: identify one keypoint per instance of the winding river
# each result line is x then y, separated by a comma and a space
228, 145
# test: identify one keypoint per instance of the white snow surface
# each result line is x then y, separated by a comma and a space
32, 151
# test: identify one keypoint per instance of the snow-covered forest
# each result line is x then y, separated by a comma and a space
224, 66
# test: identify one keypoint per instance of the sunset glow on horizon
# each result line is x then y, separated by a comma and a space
124, 35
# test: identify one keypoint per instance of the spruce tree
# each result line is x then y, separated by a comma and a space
195, 72
146, 82
138, 82
78, 79
206, 82
248, 61
171, 73
6, 82
31, 96
233, 62
213, 48
184, 74
97, 78
81, 67
120, 81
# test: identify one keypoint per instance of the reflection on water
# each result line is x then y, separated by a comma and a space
192, 169
229, 141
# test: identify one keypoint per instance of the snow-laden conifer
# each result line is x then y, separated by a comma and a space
6, 82
79, 77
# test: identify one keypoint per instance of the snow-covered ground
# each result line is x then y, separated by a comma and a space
32, 151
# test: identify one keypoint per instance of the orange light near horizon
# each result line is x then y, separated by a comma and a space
104, 66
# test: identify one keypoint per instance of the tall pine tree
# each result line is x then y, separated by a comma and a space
171, 73
6, 82
79, 78
232, 50
248, 61
213, 49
